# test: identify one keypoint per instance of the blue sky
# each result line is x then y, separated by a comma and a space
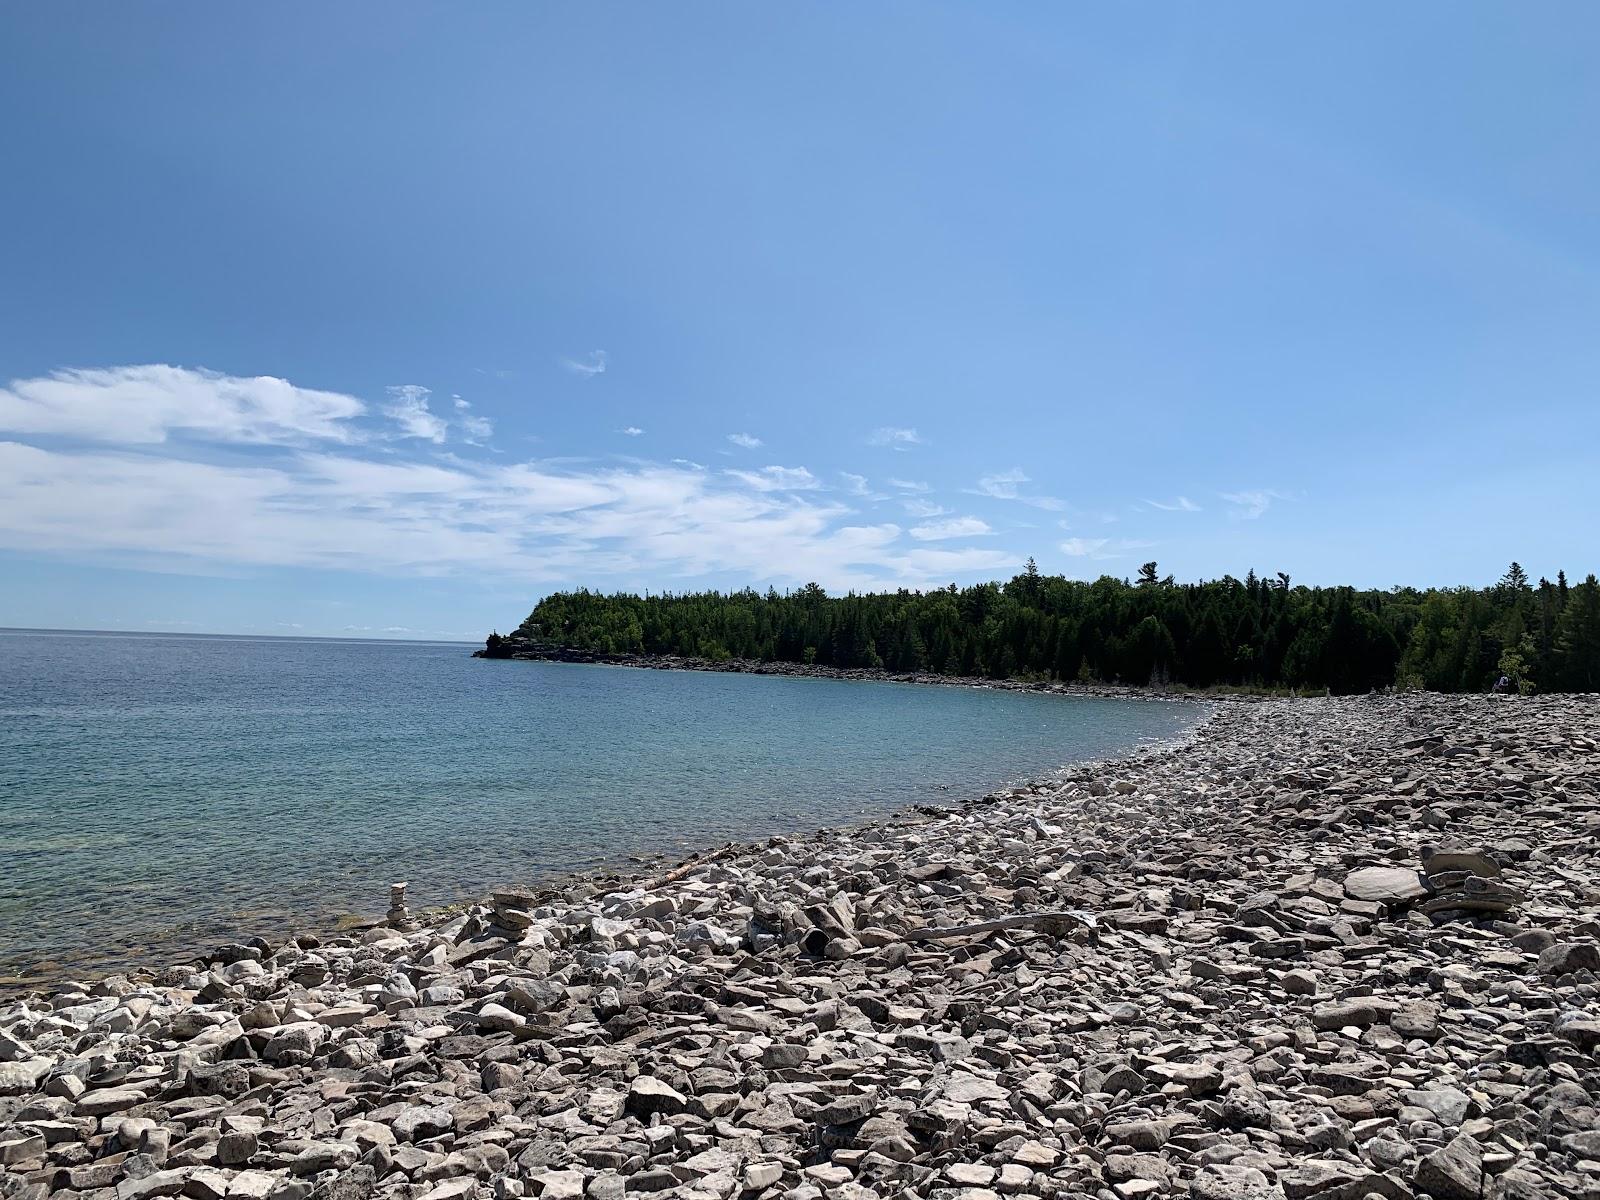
388, 319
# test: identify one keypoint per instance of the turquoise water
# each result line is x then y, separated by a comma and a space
161, 793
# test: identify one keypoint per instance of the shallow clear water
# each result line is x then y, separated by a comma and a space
161, 793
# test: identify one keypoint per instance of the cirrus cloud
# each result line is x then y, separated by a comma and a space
587, 368
778, 479
542, 524
1082, 547
956, 527
178, 469
910, 485
1250, 504
1102, 548
898, 438
1007, 485
408, 408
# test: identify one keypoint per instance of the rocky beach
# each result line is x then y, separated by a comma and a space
1323, 949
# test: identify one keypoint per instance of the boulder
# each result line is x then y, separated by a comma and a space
1454, 1172
1563, 958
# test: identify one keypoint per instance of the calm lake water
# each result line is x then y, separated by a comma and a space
159, 794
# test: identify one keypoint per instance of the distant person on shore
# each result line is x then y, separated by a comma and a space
1502, 685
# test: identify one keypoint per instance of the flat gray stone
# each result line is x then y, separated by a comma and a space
1225, 1181
1385, 885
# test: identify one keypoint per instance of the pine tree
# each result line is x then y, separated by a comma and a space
1515, 579
1255, 631
1578, 643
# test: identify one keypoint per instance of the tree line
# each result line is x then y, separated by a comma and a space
1256, 632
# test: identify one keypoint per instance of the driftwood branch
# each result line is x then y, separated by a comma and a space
689, 868
1038, 920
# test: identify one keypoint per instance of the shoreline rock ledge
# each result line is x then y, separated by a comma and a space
1328, 949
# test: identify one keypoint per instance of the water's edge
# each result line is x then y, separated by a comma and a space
510, 649
604, 874
626, 873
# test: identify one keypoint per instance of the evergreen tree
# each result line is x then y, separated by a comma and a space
1255, 631
1578, 643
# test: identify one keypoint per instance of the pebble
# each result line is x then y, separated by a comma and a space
1322, 949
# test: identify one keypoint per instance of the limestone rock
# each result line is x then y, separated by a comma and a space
1454, 1172
1565, 957
1385, 885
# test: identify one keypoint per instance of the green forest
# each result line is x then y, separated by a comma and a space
1257, 632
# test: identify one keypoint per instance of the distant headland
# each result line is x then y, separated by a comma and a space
1256, 634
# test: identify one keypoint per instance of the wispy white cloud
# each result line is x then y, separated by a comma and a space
1102, 548
858, 485
1181, 504
151, 404
690, 463
778, 479
1007, 485
1250, 504
144, 405
631, 431
474, 429
1080, 547
747, 440
544, 524
898, 438
910, 485
594, 365
923, 509
1003, 484
408, 408
956, 527
142, 467
933, 565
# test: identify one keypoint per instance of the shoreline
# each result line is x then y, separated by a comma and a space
791, 670
1314, 949
189, 947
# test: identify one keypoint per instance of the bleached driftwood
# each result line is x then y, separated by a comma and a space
689, 868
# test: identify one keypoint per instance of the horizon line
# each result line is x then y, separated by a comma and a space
275, 637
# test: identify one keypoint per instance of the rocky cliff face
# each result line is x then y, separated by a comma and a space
1328, 949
